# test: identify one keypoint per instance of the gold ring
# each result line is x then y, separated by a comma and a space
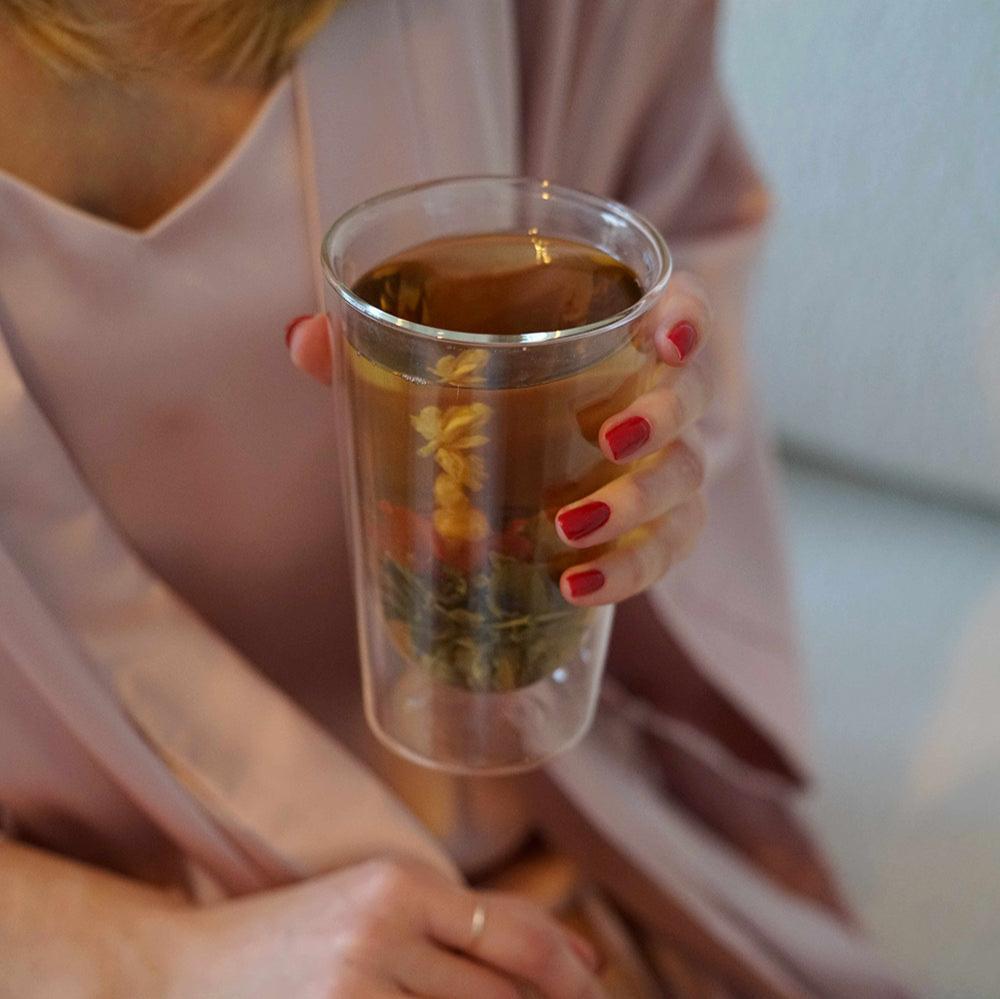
478, 923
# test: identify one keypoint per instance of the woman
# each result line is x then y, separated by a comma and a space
179, 728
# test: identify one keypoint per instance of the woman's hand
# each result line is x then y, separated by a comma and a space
655, 510
381, 929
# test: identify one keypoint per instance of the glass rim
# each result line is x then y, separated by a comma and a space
593, 201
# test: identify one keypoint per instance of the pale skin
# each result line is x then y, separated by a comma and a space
374, 930
379, 929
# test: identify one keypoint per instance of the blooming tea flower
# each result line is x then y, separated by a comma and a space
455, 428
463, 368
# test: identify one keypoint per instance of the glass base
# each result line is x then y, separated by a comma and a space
464, 732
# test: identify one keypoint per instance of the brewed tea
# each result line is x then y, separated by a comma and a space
467, 471
501, 283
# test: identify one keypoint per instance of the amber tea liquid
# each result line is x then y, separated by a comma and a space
501, 283
468, 471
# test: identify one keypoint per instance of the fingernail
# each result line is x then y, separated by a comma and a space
583, 520
683, 337
627, 437
290, 329
582, 583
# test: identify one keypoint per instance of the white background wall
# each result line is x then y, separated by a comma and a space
875, 336
876, 333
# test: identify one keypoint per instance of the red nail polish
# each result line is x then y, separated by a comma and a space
683, 337
628, 436
582, 583
290, 328
583, 520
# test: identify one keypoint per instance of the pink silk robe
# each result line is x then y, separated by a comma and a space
178, 686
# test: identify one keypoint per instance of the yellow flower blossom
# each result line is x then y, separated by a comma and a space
463, 523
448, 492
450, 435
457, 428
464, 368
468, 470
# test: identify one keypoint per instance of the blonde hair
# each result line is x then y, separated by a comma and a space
220, 39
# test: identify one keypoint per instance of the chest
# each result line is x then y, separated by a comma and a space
125, 157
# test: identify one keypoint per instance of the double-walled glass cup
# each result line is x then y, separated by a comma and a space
458, 449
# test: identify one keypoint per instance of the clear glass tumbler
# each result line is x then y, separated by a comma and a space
458, 449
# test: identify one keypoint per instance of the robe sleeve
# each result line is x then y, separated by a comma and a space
623, 99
